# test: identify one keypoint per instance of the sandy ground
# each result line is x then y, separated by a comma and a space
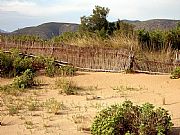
102, 90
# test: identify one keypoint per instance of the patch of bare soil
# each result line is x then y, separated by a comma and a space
44, 110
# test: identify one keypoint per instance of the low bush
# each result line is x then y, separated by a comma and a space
176, 73
128, 119
24, 81
50, 67
6, 63
13, 63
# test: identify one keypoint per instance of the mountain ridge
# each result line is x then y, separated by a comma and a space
47, 30
51, 29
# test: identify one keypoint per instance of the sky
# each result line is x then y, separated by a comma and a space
15, 14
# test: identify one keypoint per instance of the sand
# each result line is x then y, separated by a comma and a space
102, 89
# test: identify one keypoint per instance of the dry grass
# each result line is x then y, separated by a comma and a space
116, 41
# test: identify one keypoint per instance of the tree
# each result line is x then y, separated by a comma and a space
124, 28
95, 22
144, 39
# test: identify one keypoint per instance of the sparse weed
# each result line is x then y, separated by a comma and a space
9, 90
78, 118
33, 104
53, 106
123, 90
29, 124
67, 86
13, 109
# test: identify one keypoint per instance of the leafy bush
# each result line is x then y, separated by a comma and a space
127, 119
20, 64
12, 64
176, 73
38, 63
24, 81
6, 63
50, 67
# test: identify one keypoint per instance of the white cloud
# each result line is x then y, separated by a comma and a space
118, 8
40, 11
31, 8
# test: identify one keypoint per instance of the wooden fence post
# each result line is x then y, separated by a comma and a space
177, 58
130, 62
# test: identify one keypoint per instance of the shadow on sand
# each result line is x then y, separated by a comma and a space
176, 131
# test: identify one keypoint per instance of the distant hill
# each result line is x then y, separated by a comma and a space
161, 24
48, 30
2, 31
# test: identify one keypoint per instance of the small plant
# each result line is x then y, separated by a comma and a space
53, 106
127, 119
33, 104
13, 109
67, 86
29, 124
9, 90
78, 118
24, 81
176, 73
129, 71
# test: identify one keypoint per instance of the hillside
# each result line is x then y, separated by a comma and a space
161, 24
47, 30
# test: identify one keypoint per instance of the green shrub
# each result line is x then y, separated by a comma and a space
20, 64
6, 63
127, 119
24, 81
13, 63
38, 63
50, 67
176, 73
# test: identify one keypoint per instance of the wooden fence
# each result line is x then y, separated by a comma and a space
90, 58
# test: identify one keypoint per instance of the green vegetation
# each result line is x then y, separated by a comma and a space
51, 69
176, 73
67, 86
13, 64
24, 81
129, 119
